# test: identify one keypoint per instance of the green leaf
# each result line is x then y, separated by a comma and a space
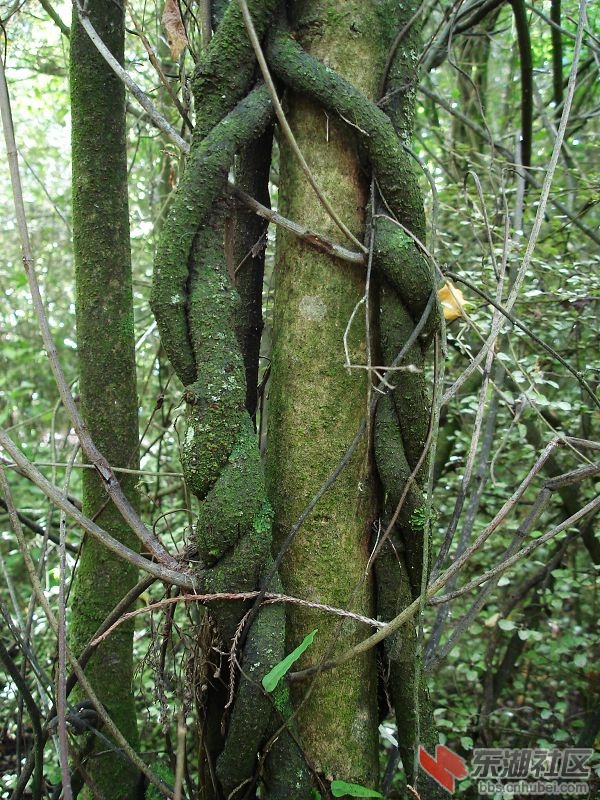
272, 678
563, 405
343, 789
506, 625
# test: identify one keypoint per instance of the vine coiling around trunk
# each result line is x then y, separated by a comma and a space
407, 285
195, 305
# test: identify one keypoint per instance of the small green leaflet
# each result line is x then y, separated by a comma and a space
343, 789
272, 678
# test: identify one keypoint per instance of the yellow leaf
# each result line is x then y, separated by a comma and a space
453, 301
174, 28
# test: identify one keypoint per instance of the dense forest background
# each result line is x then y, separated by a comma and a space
512, 662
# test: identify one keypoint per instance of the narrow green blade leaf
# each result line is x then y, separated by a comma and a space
343, 789
272, 678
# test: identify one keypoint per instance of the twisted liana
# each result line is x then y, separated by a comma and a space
194, 303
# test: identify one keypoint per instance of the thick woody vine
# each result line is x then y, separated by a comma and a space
196, 308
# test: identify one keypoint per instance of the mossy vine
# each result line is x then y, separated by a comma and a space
195, 307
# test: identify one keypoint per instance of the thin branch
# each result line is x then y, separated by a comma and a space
287, 131
317, 240
589, 508
102, 466
116, 470
179, 578
61, 675
54, 16
268, 597
160, 122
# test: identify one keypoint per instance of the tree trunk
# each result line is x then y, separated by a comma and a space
107, 369
316, 405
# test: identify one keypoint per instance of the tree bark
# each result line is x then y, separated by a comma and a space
316, 404
105, 335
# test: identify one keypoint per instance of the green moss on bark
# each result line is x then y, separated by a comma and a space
226, 70
315, 404
195, 306
107, 367
201, 183
407, 283
393, 167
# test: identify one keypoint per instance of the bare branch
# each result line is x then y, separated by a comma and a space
179, 578
160, 122
102, 466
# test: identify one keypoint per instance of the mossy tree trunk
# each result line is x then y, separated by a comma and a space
105, 337
316, 405
336, 57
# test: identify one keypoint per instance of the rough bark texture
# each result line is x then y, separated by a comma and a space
317, 404
105, 338
248, 257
